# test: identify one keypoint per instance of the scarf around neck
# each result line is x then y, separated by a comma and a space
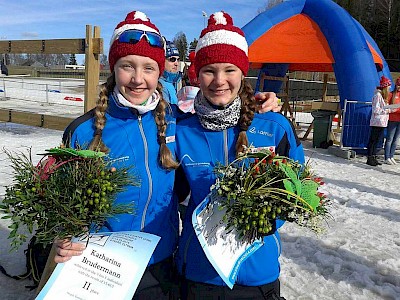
150, 104
217, 118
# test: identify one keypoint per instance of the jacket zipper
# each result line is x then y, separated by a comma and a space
146, 160
277, 244
226, 158
225, 132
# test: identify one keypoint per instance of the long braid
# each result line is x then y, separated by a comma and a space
247, 110
100, 115
165, 155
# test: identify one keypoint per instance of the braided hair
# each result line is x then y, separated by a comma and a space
247, 110
165, 156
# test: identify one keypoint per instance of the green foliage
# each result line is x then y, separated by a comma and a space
260, 187
67, 194
180, 42
193, 45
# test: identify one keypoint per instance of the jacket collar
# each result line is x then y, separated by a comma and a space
172, 77
117, 110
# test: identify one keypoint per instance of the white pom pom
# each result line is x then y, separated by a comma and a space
140, 15
219, 18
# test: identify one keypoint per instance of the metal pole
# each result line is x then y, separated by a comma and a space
47, 94
205, 17
4, 89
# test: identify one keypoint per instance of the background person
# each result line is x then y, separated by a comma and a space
225, 121
3, 68
192, 76
393, 127
171, 78
379, 119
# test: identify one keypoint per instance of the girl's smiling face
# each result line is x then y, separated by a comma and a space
136, 77
220, 82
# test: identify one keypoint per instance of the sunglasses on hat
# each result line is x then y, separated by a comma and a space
133, 36
173, 59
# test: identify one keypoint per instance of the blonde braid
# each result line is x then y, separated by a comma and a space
247, 110
100, 115
385, 94
165, 155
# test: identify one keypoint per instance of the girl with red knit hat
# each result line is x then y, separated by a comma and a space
379, 119
224, 124
393, 127
135, 126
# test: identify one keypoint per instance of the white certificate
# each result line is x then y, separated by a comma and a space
223, 248
110, 267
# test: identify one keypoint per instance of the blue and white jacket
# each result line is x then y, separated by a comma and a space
132, 139
199, 150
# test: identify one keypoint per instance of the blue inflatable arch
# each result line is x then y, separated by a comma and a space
355, 57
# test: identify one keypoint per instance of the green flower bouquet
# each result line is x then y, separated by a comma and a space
69, 193
259, 187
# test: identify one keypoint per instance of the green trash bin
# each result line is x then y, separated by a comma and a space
322, 126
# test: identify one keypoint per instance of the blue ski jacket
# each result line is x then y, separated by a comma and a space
132, 141
199, 150
169, 92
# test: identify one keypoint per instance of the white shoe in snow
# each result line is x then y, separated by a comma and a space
389, 162
393, 161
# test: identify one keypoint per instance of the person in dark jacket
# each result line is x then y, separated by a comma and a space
4, 69
223, 124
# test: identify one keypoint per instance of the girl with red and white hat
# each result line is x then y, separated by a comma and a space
393, 127
223, 124
379, 119
135, 125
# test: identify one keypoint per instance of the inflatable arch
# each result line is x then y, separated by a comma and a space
319, 36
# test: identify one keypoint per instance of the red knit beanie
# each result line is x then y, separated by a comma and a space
135, 20
384, 82
222, 42
398, 81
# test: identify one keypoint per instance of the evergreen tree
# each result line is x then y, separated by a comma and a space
180, 42
193, 45
72, 60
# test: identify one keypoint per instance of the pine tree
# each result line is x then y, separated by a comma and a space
180, 42
72, 60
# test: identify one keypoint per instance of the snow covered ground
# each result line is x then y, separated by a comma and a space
358, 257
44, 96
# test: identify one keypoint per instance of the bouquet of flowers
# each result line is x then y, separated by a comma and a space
259, 187
69, 193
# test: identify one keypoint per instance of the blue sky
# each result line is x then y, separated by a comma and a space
52, 19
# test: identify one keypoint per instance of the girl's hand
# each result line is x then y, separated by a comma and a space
267, 101
65, 249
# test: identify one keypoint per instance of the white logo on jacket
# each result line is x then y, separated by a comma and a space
192, 163
254, 130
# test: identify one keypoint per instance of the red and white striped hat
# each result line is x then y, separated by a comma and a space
135, 20
384, 82
222, 42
